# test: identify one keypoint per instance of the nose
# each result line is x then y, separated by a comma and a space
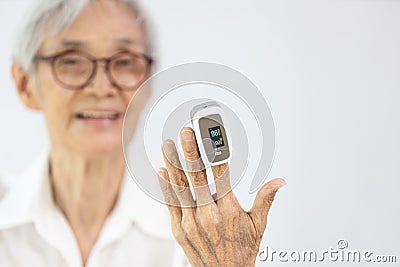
100, 84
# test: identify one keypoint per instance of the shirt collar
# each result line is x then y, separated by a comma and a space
30, 197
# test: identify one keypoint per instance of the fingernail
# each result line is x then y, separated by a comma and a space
168, 146
187, 135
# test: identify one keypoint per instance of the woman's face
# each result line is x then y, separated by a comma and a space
89, 120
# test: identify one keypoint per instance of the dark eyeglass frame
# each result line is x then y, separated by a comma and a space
53, 58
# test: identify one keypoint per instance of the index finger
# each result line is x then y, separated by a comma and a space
195, 167
177, 176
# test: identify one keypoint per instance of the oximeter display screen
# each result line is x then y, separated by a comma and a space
216, 136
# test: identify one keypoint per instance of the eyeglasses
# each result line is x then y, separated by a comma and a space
76, 69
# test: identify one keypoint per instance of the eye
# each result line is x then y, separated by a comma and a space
71, 60
123, 62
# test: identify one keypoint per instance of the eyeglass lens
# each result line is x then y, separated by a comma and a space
75, 69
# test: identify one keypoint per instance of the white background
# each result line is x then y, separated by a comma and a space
330, 71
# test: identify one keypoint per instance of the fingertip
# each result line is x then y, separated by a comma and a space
163, 173
282, 182
272, 186
187, 134
187, 128
168, 147
167, 142
278, 182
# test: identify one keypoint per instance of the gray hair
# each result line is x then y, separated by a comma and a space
29, 35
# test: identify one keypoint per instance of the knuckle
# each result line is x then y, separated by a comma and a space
179, 180
235, 212
208, 223
219, 179
179, 235
191, 152
268, 201
180, 189
190, 228
208, 219
198, 177
174, 161
194, 165
230, 208
221, 171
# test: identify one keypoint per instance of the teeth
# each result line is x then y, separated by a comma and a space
97, 115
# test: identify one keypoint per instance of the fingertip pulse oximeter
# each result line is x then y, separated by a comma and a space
208, 124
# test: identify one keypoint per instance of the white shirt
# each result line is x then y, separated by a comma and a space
34, 232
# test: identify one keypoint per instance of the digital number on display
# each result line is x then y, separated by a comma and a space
216, 136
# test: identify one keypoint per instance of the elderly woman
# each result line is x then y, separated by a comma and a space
80, 63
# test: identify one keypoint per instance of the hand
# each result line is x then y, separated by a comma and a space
212, 230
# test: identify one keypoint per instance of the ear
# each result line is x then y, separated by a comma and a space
25, 87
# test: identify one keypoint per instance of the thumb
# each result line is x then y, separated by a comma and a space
263, 202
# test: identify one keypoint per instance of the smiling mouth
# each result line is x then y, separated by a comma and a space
98, 115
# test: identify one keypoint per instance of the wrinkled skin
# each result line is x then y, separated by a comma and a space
212, 230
